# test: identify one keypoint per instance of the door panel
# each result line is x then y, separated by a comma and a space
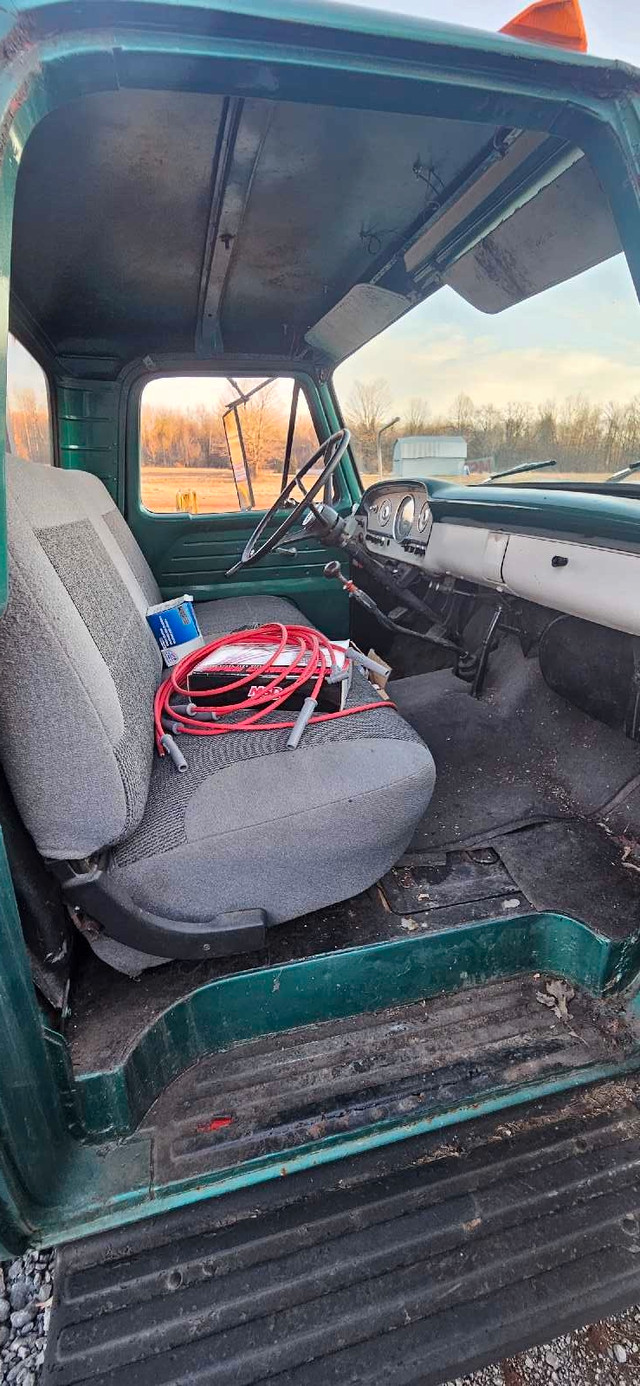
191, 553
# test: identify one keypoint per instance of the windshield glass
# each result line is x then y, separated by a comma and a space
553, 378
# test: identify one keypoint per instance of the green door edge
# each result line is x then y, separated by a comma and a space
105, 1184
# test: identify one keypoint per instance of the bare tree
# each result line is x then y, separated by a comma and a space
416, 420
368, 407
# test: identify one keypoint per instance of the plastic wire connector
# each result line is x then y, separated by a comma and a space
173, 751
302, 720
169, 725
339, 675
357, 657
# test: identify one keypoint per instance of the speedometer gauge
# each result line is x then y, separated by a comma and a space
424, 517
405, 516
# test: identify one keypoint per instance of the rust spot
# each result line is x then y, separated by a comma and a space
18, 38
471, 1226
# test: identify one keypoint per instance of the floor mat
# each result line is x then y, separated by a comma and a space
411, 1264
519, 755
575, 869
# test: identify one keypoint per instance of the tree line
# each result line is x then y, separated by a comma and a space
579, 435
195, 437
29, 426
582, 437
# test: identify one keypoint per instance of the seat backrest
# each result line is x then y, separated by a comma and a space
79, 663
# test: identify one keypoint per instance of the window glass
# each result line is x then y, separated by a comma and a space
469, 394
28, 422
212, 445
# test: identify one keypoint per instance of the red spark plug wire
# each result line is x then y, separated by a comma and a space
314, 659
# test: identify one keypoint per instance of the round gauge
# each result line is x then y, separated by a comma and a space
424, 517
385, 513
405, 516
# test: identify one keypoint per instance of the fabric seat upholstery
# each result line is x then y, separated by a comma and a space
250, 826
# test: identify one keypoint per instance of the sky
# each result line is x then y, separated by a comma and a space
582, 337
613, 26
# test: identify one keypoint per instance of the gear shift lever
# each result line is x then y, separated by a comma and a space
333, 570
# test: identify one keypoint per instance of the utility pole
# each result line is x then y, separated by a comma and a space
379, 442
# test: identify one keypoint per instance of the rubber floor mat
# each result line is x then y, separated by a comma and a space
412, 1264
520, 754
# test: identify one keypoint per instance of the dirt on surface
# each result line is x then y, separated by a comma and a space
605, 1354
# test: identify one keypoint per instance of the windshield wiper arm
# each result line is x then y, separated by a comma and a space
626, 471
522, 467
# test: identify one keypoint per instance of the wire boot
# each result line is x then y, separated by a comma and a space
302, 721
173, 751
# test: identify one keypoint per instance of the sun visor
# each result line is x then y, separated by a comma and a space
363, 312
565, 229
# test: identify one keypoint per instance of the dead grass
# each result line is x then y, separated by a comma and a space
214, 488
216, 493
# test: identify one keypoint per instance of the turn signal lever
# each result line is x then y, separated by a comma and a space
334, 570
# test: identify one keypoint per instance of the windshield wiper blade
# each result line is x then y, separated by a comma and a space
626, 471
522, 467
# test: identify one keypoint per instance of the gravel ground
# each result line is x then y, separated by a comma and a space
606, 1354
26, 1286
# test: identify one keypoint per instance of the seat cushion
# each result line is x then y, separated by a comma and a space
252, 825
235, 613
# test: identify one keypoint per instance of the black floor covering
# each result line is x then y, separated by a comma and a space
577, 869
519, 755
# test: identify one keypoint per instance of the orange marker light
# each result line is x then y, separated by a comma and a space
557, 22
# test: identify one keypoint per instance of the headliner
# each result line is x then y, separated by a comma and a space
190, 223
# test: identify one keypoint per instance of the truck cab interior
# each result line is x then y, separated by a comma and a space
429, 910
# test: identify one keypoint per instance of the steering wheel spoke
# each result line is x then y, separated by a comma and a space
330, 454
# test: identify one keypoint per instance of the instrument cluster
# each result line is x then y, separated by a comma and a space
398, 518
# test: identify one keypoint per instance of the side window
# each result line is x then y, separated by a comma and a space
213, 445
28, 420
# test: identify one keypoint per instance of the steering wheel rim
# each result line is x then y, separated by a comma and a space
334, 449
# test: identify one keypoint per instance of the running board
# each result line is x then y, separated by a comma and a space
412, 1264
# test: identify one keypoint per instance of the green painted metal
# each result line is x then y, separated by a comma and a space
276, 999
80, 1217
34, 1137
590, 513
333, 985
88, 420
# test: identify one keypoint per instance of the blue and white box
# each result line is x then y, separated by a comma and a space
176, 629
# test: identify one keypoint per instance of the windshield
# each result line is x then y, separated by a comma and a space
553, 379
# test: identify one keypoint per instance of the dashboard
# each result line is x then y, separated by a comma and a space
583, 575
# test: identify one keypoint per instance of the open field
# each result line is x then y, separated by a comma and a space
215, 488
216, 493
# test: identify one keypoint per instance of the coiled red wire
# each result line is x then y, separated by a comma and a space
314, 660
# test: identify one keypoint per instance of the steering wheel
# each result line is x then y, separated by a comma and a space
332, 450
